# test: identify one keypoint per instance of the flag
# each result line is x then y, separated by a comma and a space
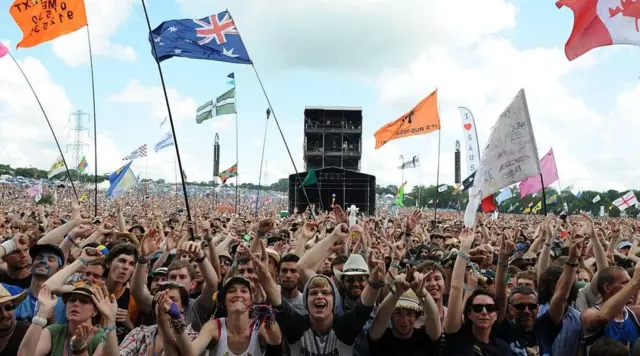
504, 195
46, 20
467, 183
33, 191
596, 199
166, 141
626, 201
82, 165
413, 163
3, 50
527, 210
552, 199
229, 173
225, 104
420, 120
537, 207
137, 153
488, 204
472, 148
510, 156
83, 197
233, 79
213, 38
121, 180
400, 195
310, 179
56, 167
442, 188
599, 23
549, 170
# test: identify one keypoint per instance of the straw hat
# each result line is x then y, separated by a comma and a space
409, 300
6, 296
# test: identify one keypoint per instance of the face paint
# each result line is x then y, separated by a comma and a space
44, 264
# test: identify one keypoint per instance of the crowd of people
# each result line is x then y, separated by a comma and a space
143, 277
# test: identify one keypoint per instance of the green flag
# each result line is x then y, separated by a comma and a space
205, 112
400, 196
311, 178
226, 103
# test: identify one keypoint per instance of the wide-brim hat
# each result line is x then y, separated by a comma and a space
355, 265
38, 249
6, 296
273, 254
80, 289
137, 226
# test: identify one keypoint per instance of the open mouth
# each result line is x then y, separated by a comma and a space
320, 305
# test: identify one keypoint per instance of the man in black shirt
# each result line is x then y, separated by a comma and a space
11, 331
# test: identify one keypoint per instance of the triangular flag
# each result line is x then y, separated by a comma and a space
311, 178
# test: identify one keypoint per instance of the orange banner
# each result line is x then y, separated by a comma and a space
45, 20
421, 120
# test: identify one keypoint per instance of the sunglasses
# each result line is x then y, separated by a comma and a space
523, 306
81, 300
353, 279
489, 308
9, 307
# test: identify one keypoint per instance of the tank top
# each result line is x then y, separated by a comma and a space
222, 349
625, 331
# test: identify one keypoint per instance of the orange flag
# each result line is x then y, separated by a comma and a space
421, 120
45, 20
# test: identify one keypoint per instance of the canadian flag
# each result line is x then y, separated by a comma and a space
626, 201
599, 23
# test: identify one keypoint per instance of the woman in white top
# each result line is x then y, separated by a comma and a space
234, 335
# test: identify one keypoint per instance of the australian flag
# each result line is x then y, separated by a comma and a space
213, 38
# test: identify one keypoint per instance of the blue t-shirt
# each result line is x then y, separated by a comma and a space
537, 341
27, 309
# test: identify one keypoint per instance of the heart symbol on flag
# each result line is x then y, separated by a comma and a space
467, 126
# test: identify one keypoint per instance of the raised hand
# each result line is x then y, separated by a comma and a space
106, 303
47, 301
341, 232
466, 238
378, 272
413, 220
575, 250
150, 243
90, 255
309, 229
261, 262
340, 215
419, 284
400, 283
79, 339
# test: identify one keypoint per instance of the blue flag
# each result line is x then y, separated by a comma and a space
214, 38
121, 180
166, 141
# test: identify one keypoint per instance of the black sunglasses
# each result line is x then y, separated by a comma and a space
352, 279
489, 308
523, 306
9, 307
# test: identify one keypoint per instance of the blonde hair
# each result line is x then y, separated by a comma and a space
319, 282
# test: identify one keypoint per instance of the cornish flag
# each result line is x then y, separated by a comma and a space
626, 201
599, 23
137, 153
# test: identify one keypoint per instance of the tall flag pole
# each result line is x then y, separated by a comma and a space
233, 82
95, 128
5, 51
264, 144
173, 128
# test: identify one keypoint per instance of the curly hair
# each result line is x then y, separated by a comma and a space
547, 286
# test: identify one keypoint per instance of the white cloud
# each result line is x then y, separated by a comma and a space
105, 19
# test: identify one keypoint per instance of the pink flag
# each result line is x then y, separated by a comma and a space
549, 174
3, 50
33, 191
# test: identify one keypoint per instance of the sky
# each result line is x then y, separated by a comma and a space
381, 55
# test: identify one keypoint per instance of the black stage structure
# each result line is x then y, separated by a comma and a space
350, 188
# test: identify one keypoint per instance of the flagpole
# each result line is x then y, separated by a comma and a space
48, 123
235, 94
544, 195
95, 129
275, 118
173, 129
435, 214
264, 143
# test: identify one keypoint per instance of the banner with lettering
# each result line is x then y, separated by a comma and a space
471, 146
45, 20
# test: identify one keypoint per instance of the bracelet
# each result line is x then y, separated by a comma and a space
36, 320
9, 247
82, 260
572, 264
503, 265
201, 259
142, 260
79, 351
83, 345
178, 325
394, 265
376, 284
464, 257
72, 241
109, 329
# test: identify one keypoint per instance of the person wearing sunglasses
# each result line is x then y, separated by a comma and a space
11, 331
525, 332
467, 326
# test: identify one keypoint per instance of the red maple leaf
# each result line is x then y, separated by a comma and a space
628, 8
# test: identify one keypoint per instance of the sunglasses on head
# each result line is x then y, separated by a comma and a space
523, 306
351, 279
489, 308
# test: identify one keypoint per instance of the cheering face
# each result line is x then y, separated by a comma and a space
483, 312
435, 285
402, 321
238, 298
121, 268
320, 302
45, 265
247, 271
7, 319
80, 308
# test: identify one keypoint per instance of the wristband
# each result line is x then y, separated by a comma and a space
36, 320
572, 264
376, 284
201, 259
142, 260
174, 312
394, 265
82, 260
72, 241
9, 246
178, 325
503, 265
109, 329
464, 257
